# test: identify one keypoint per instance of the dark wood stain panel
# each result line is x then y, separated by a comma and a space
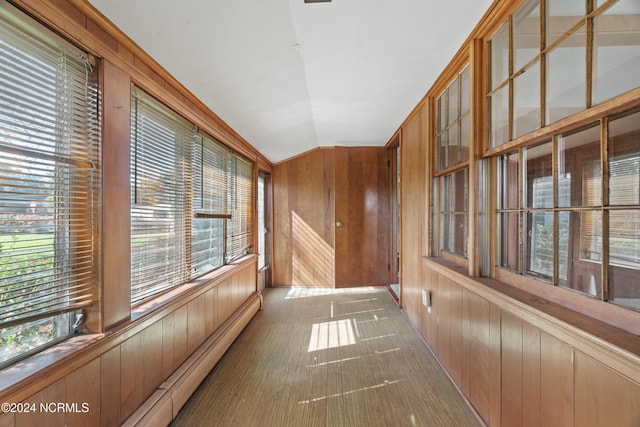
413, 196
362, 206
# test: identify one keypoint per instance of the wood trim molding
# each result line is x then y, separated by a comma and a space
611, 346
611, 107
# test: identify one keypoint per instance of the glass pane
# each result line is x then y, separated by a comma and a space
446, 232
459, 189
499, 107
16, 340
508, 179
465, 89
526, 99
500, 56
453, 146
538, 191
579, 172
442, 112
446, 194
442, 150
624, 160
585, 260
539, 244
207, 245
526, 33
454, 102
465, 136
508, 240
455, 202
564, 230
460, 234
616, 67
624, 257
562, 15
567, 78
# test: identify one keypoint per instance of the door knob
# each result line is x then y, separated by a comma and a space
338, 224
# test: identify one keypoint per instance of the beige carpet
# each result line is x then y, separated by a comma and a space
327, 357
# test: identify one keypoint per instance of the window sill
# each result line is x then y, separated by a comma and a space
188, 290
31, 375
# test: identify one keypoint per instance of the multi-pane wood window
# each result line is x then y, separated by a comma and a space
568, 201
452, 166
192, 201
561, 218
554, 58
49, 185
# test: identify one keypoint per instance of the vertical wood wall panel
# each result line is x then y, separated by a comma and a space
152, 346
604, 398
478, 337
444, 323
413, 199
54, 393
168, 361
556, 381
531, 375
131, 376
495, 416
110, 389
83, 387
455, 332
511, 370
179, 336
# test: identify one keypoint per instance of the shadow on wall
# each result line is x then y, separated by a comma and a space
313, 259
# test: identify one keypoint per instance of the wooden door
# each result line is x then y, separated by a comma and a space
362, 215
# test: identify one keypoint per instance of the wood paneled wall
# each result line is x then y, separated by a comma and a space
519, 360
519, 366
304, 220
318, 190
132, 353
413, 202
124, 369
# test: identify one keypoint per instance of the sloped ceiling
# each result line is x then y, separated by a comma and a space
290, 76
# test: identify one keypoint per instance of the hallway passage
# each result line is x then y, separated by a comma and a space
327, 357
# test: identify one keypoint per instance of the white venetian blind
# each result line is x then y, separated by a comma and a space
240, 227
49, 177
161, 149
210, 203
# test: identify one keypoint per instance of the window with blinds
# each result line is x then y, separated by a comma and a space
161, 144
240, 226
192, 201
49, 180
210, 204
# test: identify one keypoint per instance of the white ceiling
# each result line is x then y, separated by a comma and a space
289, 76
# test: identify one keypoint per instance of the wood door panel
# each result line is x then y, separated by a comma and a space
362, 209
303, 220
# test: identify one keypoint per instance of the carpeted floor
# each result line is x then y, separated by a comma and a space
327, 357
